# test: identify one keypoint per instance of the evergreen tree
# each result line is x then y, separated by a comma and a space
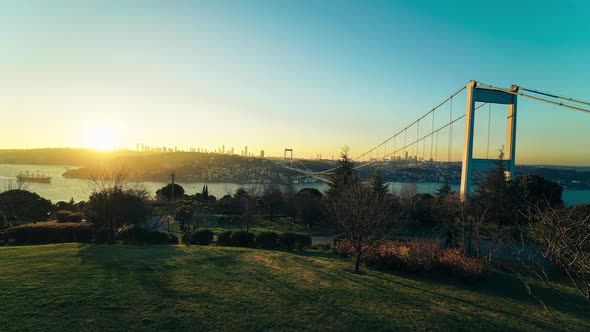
343, 174
205, 194
377, 184
445, 190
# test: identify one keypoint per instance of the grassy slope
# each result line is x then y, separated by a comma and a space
95, 287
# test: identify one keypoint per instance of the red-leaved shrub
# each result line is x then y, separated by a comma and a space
416, 256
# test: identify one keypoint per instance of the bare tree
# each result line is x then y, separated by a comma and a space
562, 237
363, 216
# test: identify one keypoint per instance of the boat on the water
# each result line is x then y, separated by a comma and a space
33, 177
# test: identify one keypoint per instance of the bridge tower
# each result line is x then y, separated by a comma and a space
290, 156
477, 94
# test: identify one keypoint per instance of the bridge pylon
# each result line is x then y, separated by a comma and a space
477, 94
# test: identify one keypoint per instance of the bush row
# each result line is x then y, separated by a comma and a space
141, 236
264, 240
418, 256
50, 232
68, 216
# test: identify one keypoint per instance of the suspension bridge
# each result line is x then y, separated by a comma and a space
429, 128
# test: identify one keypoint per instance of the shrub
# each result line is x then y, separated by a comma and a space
302, 241
50, 232
224, 238
132, 235
61, 215
290, 241
455, 263
68, 216
418, 256
267, 240
157, 237
74, 217
202, 237
141, 236
242, 239
101, 235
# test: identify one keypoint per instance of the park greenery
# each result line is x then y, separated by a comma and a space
516, 230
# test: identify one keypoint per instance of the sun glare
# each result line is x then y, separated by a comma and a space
102, 137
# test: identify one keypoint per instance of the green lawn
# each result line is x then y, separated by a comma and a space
97, 287
261, 223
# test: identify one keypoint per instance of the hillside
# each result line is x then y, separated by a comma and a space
95, 287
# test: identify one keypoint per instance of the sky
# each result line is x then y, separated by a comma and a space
308, 75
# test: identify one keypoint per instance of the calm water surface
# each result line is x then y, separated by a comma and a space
63, 189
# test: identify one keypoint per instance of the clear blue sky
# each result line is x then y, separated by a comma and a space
311, 75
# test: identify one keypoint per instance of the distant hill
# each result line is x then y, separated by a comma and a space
154, 166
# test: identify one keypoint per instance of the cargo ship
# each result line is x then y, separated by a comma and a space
35, 177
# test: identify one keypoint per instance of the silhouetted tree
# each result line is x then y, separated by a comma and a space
377, 184
112, 205
24, 205
309, 207
444, 190
343, 174
166, 191
535, 191
272, 199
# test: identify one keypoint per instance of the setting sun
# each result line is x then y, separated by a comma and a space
102, 137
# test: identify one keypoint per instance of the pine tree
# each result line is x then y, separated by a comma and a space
205, 194
343, 174
377, 184
444, 190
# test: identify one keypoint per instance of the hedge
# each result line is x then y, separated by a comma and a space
290, 241
50, 232
267, 240
202, 237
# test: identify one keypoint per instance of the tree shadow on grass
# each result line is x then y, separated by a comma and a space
498, 285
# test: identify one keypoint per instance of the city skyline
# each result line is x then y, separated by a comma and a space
284, 75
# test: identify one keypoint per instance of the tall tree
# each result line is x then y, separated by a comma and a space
377, 183
166, 191
112, 205
444, 190
343, 174
272, 199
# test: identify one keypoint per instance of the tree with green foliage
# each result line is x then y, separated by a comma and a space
24, 205
272, 199
444, 190
494, 197
343, 174
166, 191
535, 191
309, 207
113, 205
205, 194
377, 184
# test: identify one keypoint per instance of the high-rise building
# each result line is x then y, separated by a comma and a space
223, 149
246, 151
261, 153
137, 147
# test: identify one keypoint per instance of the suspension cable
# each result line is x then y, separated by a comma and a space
555, 96
413, 123
536, 98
